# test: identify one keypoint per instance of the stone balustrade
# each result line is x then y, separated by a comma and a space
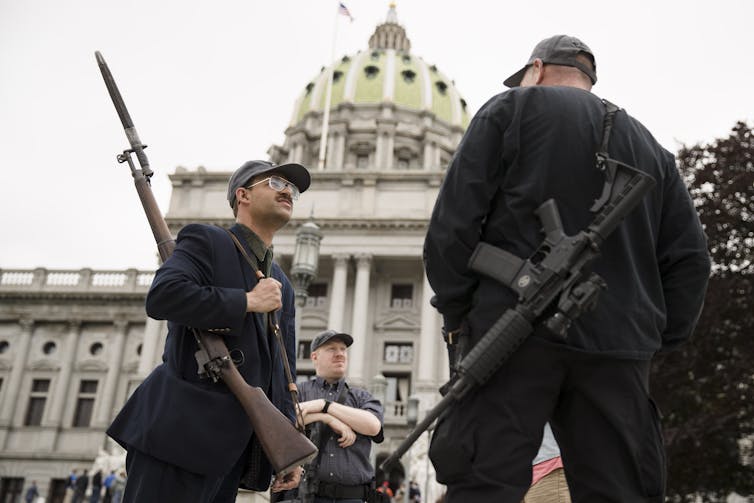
83, 280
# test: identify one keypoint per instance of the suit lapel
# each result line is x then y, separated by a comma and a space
250, 281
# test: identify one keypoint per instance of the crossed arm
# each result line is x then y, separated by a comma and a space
344, 420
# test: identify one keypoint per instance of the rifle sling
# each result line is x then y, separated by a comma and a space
603, 161
272, 325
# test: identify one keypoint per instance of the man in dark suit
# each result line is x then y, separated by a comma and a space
188, 439
80, 487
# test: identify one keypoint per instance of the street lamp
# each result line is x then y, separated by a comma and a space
305, 264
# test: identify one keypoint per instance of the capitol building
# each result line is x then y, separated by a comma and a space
74, 344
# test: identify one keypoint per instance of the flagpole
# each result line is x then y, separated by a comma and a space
328, 99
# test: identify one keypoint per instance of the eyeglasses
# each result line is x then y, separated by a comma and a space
278, 185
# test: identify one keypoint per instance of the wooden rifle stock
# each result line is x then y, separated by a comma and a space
284, 445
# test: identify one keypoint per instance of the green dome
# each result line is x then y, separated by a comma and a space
386, 73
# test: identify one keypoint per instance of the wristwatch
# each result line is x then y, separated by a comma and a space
327, 406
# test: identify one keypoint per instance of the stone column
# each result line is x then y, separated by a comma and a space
379, 153
300, 304
298, 153
107, 396
13, 386
429, 340
359, 327
385, 144
429, 155
340, 151
432, 354
338, 291
389, 150
61, 394
152, 330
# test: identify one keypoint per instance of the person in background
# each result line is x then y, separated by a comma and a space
344, 421
32, 493
119, 486
414, 493
548, 482
96, 487
80, 487
108, 483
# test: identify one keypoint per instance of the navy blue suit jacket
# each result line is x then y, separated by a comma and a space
174, 416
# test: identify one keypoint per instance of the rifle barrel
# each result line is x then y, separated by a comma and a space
420, 428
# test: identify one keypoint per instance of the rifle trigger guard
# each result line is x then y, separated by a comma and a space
213, 367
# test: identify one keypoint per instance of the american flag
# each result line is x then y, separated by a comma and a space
342, 9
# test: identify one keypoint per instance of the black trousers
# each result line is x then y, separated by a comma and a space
607, 426
151, 480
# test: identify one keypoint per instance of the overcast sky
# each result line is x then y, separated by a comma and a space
213, 84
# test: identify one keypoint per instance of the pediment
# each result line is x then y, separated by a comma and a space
396, 322
92, 365
313, 320
131, 367
44, 364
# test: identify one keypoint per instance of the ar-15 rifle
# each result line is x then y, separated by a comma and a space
284, 445
551, 286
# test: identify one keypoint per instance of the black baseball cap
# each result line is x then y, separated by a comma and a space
327, 336
558, 50
293, 172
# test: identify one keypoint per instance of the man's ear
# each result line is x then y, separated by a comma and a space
539, 71
243, 195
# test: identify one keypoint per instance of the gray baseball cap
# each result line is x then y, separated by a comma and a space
327, 336
293, 172
558, 50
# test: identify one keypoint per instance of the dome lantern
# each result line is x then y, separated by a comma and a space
390, 35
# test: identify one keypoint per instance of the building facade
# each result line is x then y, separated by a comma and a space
70, 354
74, 344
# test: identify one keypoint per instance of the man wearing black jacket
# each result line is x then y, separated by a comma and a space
535, 142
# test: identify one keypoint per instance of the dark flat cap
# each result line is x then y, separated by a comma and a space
293, 172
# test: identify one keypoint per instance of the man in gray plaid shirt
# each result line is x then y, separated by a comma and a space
348, 418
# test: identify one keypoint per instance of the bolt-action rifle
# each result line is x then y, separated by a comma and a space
284, 445
552, 285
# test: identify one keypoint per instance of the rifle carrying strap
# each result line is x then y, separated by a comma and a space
272, 325
602, 158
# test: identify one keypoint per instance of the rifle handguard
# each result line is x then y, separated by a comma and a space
500, 341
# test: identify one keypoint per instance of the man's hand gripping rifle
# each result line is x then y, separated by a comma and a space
552, 285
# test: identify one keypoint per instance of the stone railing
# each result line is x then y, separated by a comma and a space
395, 411
83, 280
